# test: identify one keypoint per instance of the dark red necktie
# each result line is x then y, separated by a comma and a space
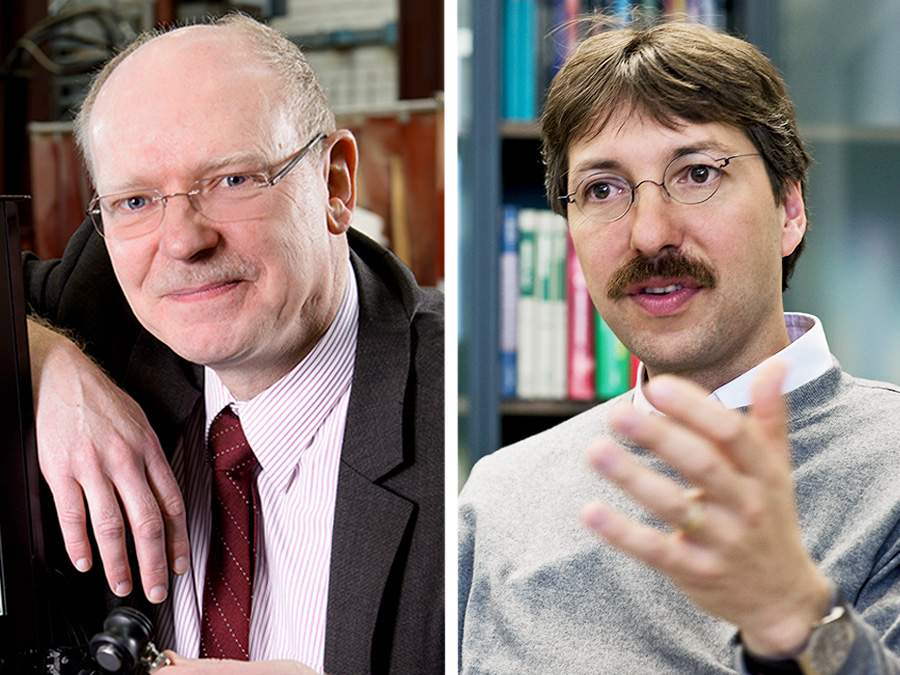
225, 631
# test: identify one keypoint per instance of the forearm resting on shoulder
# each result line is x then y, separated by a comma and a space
50, 345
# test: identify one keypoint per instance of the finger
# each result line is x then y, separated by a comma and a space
668, 553
659, 495
148, 530
139, 506
146, 521
109, 532
69, 501
687, 404
769, 409
691, 454
167, 499
175, 659
171, 504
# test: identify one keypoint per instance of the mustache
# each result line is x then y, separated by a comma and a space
210, 272
671, 265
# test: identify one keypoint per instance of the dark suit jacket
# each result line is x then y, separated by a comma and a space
385, 600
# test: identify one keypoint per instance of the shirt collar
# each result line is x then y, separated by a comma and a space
286, 416
808, 357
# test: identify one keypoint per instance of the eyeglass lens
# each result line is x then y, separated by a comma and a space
228, 198
688, 179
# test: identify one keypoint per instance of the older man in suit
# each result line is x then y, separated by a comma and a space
220, 277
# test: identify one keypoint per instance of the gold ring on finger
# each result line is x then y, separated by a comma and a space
696, 511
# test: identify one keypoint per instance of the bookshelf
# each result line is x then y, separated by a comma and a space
500, 164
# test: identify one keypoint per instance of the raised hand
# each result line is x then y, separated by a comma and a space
734, 547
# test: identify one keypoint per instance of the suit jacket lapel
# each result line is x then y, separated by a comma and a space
370, 521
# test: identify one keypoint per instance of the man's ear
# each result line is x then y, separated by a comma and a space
340, 167
794, 219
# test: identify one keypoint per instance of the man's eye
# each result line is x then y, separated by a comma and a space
603, 188
701, 173
697, 175
236, 180
130, 203
598, 191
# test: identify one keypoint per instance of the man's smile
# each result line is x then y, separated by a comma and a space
663, 297
202, 292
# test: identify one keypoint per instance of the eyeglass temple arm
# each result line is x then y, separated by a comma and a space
300, 155
727, 160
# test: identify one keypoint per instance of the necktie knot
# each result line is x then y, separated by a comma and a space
228, 447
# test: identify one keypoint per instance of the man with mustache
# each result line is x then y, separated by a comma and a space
755, 528
264, 329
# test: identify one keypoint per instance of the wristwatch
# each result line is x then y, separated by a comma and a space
825, 653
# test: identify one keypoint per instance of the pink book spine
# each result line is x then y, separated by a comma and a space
582, 363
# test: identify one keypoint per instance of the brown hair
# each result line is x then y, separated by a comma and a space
302, 91
675, 72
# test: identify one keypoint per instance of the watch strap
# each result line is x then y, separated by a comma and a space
795, 666
759, 666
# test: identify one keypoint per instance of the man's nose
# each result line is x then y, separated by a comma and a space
655, 219
185, 232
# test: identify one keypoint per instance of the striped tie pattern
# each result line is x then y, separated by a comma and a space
228, 591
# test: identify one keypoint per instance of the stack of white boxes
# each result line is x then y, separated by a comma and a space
357, 77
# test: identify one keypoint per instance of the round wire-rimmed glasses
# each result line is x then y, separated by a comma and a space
693, 178
231, 197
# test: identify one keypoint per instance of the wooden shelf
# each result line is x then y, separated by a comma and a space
514, 129
544, 408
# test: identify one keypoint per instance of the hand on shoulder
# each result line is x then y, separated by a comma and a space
95, 446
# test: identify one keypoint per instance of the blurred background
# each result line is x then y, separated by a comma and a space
838, 59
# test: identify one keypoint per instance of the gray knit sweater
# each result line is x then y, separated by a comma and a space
538, 593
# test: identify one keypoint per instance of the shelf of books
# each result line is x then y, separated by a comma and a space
538, 36
553, 344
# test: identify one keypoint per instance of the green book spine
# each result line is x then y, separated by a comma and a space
526, 362
613, 362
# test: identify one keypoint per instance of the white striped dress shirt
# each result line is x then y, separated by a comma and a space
296, 429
